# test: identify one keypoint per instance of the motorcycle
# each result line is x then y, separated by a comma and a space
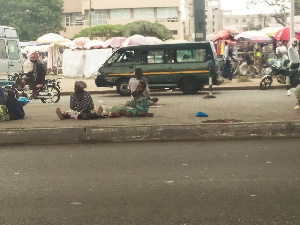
49, 91
281, 74
270, 71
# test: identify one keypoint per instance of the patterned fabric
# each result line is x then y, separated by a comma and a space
4, 116
141, 105
85, 103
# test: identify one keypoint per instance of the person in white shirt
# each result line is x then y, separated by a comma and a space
294, 61
133, 83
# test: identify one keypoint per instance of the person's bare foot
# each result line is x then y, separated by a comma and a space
59, 114
99, 111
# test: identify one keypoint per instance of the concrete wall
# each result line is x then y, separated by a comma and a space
72, 6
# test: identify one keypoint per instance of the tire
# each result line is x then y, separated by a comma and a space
265, 83
56, 95
122, 87
188, 86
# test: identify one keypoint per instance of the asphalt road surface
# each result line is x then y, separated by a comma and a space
222, 182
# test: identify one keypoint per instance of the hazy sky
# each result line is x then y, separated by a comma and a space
239, 7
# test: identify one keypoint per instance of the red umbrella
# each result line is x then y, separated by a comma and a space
225, 34
284, 34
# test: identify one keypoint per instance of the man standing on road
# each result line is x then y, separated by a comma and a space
226, 72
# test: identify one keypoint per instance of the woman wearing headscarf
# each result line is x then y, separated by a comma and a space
14, 107
81, 104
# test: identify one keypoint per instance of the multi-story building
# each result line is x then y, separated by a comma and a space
76, 14
218, 19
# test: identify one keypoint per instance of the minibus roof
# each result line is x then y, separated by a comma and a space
165, 46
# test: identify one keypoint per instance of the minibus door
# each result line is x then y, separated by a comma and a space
15, 61
3, 60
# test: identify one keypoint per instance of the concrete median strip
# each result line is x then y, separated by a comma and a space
221, 131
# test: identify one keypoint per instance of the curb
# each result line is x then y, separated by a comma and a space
220, 131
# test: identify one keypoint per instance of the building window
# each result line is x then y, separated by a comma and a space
99, 17
120, 14
143, 13
167, 14
67, 21
175, 32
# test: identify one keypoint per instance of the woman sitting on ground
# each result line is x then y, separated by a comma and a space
141, 104
81, 104
14, 107
132, 85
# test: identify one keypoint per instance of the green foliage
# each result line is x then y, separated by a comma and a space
32, 18
102, 31
243, 79
146, 28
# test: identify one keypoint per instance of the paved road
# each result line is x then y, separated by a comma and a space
209, 183
174, 108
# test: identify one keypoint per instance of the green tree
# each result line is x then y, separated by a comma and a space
147, 29
32, 18
102, 31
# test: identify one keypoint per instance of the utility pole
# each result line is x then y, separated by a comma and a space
90, 20
199, 20
292, 14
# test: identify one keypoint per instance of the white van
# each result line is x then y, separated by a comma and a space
11, 60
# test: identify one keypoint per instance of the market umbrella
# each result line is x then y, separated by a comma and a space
253, 36
94, 44
270, 31
67, 43
153, 40
50, 38
115, 41
284, 34
81, 40
225, 34
135, 40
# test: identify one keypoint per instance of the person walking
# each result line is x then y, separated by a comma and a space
226, 71
258, 60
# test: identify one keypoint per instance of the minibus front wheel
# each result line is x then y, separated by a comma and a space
188, 85
122, 87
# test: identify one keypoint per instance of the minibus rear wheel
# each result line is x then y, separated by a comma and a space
122, 87
188, 85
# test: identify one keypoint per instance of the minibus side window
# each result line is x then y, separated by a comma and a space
156, 56
13, 50
191, 55
2, 49
126, 57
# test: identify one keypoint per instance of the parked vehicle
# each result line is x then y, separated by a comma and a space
184, 66
47, 92
11, 60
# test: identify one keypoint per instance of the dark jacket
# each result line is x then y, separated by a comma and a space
15, 109
39, 72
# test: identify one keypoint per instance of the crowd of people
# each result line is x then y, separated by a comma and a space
287, 56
